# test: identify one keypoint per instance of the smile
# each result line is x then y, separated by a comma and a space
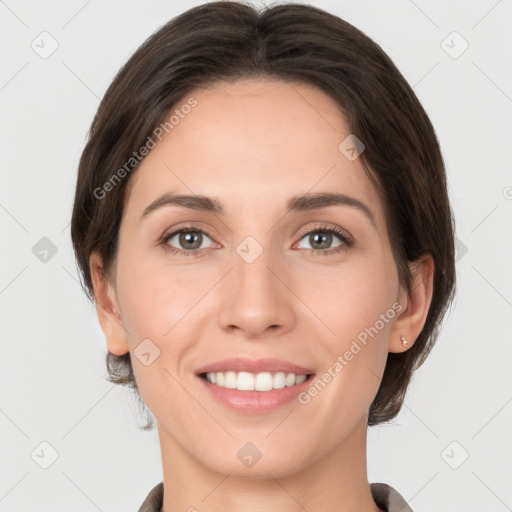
245, 381
253, 386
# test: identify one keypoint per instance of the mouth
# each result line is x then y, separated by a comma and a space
262, 382
254, 386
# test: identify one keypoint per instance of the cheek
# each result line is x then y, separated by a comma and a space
357, 308
153, 294
350, 303
156, 305
161, 302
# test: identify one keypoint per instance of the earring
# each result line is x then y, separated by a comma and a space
404, 341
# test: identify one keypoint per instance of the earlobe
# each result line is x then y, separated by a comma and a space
107, 308
416, 305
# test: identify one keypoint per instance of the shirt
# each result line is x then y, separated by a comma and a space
385, 497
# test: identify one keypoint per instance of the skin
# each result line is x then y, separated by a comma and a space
253, 145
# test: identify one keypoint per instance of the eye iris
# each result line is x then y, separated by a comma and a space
187, 237
323, 238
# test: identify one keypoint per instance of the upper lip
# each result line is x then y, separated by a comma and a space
243, 364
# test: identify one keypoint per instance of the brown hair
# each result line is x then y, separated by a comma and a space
226, 41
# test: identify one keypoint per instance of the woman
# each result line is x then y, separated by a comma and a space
262, 220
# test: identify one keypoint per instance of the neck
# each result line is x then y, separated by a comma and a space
337, 482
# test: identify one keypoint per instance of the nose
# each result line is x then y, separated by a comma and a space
255, 299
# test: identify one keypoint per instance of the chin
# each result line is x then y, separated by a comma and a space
248, 462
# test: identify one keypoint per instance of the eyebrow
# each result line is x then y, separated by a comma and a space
304, 202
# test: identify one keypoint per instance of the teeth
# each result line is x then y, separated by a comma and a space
300, 379
230, 380
245, 381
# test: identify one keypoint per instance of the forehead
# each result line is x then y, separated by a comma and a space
253, 143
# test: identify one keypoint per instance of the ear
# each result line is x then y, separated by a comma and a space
107, 308
415, 305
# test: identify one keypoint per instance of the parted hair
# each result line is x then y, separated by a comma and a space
226, 41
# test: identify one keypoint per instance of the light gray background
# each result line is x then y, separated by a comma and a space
52, 349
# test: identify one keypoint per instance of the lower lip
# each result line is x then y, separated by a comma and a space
255, 402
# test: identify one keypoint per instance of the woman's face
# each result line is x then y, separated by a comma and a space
261, 280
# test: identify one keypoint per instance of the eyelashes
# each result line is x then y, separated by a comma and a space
186, 237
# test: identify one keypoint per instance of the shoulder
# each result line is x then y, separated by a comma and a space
153, 501
388, 498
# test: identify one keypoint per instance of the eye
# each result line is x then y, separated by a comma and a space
321, 238
188, 240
